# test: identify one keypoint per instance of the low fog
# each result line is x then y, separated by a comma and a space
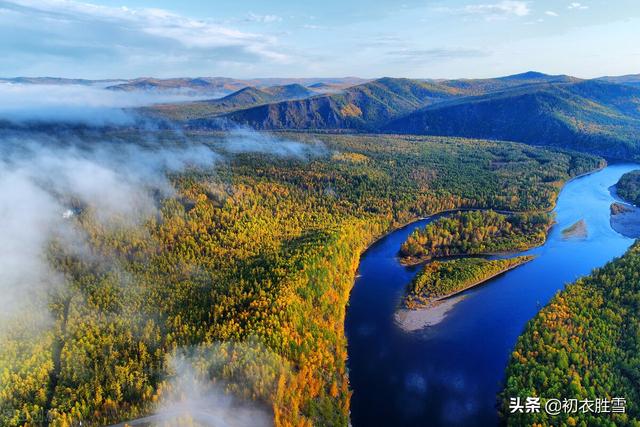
192, 397
44, 181
48, 179
246, 140
78, 104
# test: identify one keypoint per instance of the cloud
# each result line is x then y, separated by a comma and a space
45, 181
576, 5
71, 103
499, 10
247, 140
194, 393
48, 179
62, 32
263, 19
551, 13
429, 55
314, 27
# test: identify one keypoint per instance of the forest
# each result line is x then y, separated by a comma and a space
438, 279
476, 233
583, 345
251, 264
628, 187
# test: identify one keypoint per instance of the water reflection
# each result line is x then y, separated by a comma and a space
450, 373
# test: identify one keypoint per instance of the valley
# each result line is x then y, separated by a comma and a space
319, 214
445, 365
598, 115
245, 271
251, 215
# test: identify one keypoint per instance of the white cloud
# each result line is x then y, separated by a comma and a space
430, 55
264, 19
85, 104
71, 30
313, 27
551, 13
502, 9
576, 5
46, 180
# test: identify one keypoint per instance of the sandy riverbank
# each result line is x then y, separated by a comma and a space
625, 219
414, 320
576, 231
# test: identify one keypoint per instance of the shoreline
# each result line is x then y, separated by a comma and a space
627, 222
462, 209
442, 298
417, 319
413, 320
412, 262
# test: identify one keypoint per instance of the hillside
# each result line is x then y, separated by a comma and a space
483, 86
244, 98
248, 268
582, 345
364, 107
592, 116
628, 187
629, 79
223, 85
588, 115
204, 85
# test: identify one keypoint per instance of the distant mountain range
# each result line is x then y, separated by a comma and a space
630, 79
241, 99
593, 116
370, 106
218, 86
363, 107
600, 115
58, 81
224, 85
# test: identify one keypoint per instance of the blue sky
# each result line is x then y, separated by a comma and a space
292, 38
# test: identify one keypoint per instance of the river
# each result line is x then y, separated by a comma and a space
450, 373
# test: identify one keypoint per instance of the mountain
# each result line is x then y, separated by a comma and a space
200, 85
369, 106
629, 79
482, 86
363, 107
290, 91
58, 81
327, 88
535, 76
244, 98
590, 115
223, 85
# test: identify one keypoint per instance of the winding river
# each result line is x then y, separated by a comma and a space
450, 373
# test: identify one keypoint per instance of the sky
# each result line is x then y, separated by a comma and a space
329, 38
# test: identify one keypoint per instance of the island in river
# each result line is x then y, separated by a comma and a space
628, 187
463, 234
476, 233
427, 377
578, 230
439, 280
